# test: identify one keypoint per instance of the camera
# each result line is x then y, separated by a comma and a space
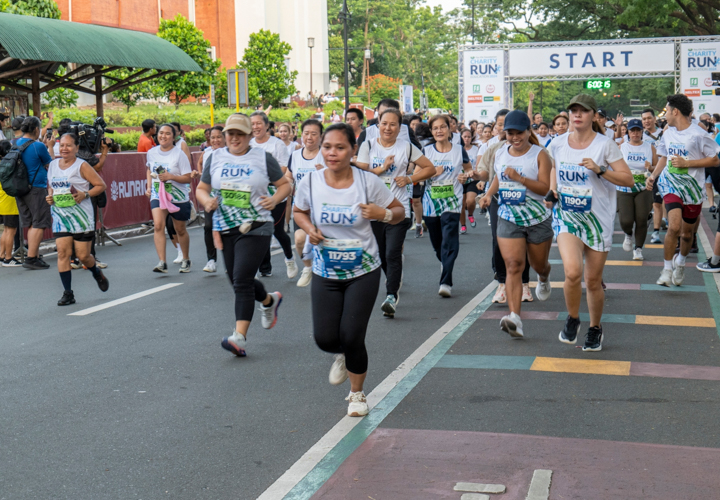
91, 137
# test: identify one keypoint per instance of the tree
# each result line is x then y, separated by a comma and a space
184, 34
37, 8
129, 96
269, 80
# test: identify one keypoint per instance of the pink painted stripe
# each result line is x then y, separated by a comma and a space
523, 315
620, 286
674, 371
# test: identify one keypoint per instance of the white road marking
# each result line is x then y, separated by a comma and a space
480, 487
129, 298
540, 485
474, 496
317, 452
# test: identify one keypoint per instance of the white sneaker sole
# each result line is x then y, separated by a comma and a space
511, 328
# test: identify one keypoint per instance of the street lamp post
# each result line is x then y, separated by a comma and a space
345, 16
311, 44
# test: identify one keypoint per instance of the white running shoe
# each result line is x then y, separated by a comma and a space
637, 254
655, 237
678, 274
99, 264
628, 243
269, 314
210, 267
358, 406
543, 290
512, 325
445, 291
292, 268
500, 297
275, 244
665, 278
305, 277
526, 293
338, 372
179, 258
185, 266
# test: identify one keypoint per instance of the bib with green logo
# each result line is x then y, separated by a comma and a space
168, 186
235, 194
676, 170
442, 189
63, 198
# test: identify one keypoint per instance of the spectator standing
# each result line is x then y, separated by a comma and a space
17, 133
147, 141
9, 218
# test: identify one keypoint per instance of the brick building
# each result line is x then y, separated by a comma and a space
227, 25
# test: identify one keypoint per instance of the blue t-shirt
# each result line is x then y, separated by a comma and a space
35, 157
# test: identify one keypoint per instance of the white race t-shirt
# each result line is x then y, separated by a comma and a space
518, 204
635, 157
373, 132
693, 143
587, 202
67, 215
350, 249
456, 138
443, 192
275, 147
174, 162
372, 153
473, 154
301, 166
484, 147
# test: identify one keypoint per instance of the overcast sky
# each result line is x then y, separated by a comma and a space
446, 4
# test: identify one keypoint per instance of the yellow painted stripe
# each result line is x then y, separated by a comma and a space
633, 263
654, 246
674, 321
592, 366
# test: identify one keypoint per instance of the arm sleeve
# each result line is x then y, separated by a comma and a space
415, 153
42, 153
709, 147
283, 155
361, 139
660, 147
364, 152
612, 152
184, 164
273, 168
206, 177
302, 193
378, 192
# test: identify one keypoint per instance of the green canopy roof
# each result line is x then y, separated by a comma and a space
41, 39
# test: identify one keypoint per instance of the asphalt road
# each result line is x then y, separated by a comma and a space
139, 400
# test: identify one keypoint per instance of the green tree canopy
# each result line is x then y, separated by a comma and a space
269, 80
178, 86
37, 8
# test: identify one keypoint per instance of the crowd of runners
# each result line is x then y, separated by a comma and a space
352, 195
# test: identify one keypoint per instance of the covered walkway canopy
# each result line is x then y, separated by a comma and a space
33, 48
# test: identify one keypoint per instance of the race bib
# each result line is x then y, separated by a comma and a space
168, 186
63, 198
342, 254
511, 193
387, 180
236, 194
639, 176
575, 199
442, 189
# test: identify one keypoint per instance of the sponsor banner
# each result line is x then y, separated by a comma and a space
484, 84
697, 63
406, 98
592, 60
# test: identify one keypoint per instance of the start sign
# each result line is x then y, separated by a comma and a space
598, 84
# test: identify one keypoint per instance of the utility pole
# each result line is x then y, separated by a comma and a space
345, 16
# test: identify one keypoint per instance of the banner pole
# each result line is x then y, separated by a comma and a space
237, 93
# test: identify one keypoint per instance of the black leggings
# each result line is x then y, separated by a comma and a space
341, 311
390, 239
278, 215
445, 239
209, 243
243, 255
633, 210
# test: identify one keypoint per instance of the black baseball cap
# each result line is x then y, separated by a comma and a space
517, 120
634, 123
603, 113
17, 122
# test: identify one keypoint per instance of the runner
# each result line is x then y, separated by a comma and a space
442, 199
652, 134
454, 129
263, 140
73, 224
390, 159
235, 185
216, 141
285, 135
560, 125
687, 150
470, 189
588, 166
303, 161
524, 229
635, 203
372, 131
543, 134
498, 133
334, 206
169, 165
486, 134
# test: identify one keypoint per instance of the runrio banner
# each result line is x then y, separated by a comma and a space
697, 63
484, 84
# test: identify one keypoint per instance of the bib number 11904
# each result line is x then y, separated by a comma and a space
576, 199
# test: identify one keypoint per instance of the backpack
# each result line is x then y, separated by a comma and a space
13, 172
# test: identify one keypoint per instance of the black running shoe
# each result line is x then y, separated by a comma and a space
35, 263
67, 298
708, 267
570, 332
593, 339
102, 281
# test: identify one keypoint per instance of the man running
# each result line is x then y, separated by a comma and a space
652, 135
686, 150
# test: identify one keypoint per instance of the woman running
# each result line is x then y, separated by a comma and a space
443, 196
169, 165
635, 203
390, 159
487, 133
543, 134
286, 136
522, 178
302, 162
334, 206
587, 167
216, 141
470, 189
73, 224
560, 125
235, 185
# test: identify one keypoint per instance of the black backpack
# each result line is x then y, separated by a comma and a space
13, 172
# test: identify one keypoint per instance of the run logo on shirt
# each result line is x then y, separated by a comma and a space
378, 162
572, 173
446, 165
337, 215
677, 149
235, 171
636, 157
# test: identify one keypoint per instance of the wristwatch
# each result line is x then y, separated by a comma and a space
87, 194
603, 169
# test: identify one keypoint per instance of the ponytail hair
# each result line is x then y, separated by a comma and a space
597, 127
533, 138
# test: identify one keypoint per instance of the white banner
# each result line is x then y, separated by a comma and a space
484, 84
592, 60
406, 99
697, 63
